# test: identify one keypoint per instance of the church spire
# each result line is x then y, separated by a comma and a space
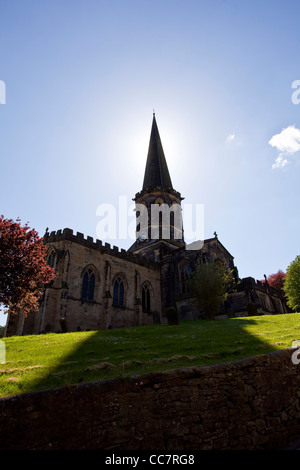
159, 227
156, 172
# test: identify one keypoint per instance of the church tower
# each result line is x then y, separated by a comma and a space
159, 227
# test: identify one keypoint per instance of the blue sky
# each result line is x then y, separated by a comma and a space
82, 79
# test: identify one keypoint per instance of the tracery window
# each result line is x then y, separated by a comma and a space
118, 292
185, 271
88, 285
51, 259
146, 298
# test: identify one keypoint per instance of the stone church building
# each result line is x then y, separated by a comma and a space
98, 286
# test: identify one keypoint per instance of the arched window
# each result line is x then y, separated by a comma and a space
185, 271
118, 294
88, 285
146, 298
51, 259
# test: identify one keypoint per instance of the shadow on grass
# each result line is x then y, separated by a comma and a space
100, 355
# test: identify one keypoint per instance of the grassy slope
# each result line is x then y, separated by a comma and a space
55, 360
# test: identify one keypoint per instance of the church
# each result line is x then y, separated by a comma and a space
99, 286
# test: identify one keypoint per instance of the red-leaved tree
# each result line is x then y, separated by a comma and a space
277, 280
23, 267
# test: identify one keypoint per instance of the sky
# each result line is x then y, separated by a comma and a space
79, 81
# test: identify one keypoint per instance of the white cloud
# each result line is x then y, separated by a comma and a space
287, 143
230, 137
280, 162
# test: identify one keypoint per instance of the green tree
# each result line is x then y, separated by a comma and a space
210, 284
292, 284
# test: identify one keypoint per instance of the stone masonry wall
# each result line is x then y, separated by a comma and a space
62, 298
250, 404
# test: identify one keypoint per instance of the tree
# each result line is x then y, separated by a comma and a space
292, 284
210, 283
276, 280
23, 267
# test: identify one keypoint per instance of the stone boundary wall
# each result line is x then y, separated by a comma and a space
246, 405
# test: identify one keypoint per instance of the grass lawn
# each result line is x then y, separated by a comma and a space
55, 360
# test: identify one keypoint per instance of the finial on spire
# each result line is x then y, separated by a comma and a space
153, 112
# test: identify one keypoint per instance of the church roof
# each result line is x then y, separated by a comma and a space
156, 172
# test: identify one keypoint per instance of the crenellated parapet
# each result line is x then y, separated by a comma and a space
249, 283
79, 238
157, 189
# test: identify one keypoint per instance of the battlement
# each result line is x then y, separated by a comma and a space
158, 189
248, 283
67, 234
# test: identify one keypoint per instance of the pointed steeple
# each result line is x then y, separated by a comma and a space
159, 227
156, 173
